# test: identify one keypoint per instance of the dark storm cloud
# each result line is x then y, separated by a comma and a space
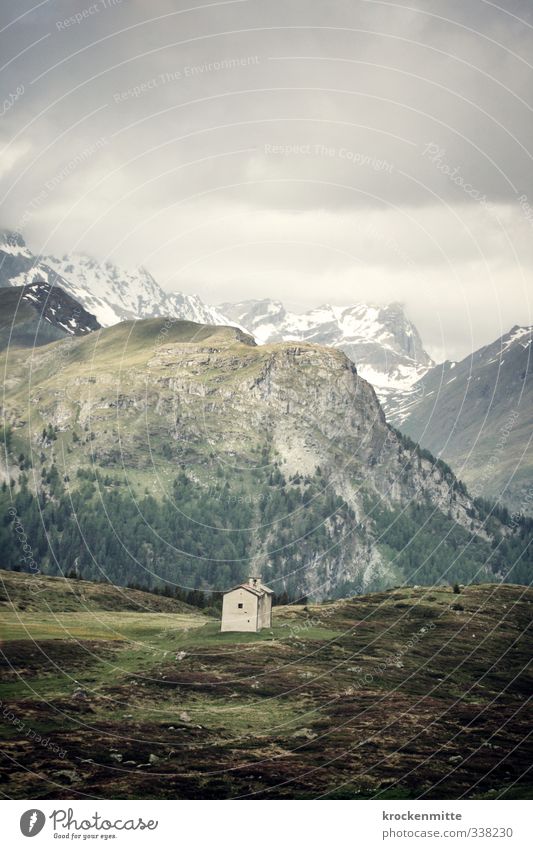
293, 122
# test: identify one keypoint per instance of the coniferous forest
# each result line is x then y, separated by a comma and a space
202, 540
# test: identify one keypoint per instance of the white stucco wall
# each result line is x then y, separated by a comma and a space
265, 611
235, 618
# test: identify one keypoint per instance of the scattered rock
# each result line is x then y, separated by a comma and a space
184, 716
306, 733
80, 694
68, 775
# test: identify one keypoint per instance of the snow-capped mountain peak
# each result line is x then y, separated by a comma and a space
109, 291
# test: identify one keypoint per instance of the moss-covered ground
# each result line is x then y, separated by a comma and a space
410, 693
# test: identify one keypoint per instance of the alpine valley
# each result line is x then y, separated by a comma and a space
266, 475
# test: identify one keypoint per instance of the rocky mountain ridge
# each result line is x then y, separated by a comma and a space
206, 454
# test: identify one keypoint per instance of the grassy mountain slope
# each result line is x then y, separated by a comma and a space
403, 694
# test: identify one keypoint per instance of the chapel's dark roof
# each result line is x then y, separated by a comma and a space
262, 590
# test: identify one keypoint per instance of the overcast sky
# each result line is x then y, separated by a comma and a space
306, 150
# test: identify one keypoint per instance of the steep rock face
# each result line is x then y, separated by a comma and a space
291, 429
381, 341
477, 414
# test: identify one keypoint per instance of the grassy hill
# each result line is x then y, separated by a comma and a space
23, 591
413, 692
